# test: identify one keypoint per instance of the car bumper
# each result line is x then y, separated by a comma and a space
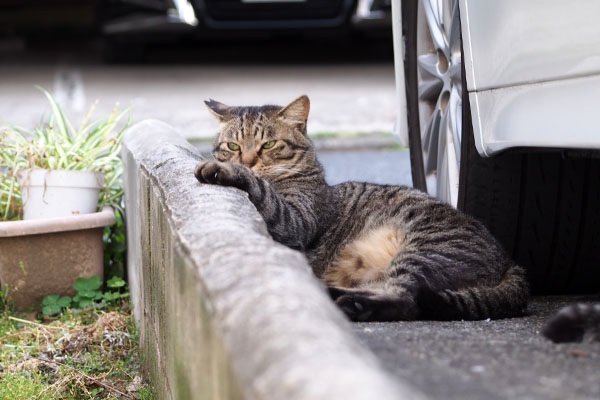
558, 114
187, 16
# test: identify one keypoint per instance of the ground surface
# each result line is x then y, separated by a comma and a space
386, 167
503, 359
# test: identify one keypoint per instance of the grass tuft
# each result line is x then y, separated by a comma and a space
85, 355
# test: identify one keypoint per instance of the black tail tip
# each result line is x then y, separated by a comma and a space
562, 328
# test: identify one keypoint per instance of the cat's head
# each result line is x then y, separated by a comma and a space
270, 140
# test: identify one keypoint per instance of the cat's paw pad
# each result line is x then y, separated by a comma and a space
216, 173
355, 307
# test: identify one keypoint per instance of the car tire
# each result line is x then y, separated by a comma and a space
542, 205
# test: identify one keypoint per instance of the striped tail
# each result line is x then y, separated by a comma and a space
507, 299
572, 322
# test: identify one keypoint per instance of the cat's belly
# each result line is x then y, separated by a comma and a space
365, 259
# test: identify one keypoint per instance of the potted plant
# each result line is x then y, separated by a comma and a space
57, 177
43, 167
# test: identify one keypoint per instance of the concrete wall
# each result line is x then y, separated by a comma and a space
225, 312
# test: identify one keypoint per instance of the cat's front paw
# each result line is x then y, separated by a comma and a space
220, 173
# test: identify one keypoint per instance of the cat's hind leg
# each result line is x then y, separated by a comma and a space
394, 296
359, 278
373, 305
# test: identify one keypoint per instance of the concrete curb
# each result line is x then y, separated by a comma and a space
219, 302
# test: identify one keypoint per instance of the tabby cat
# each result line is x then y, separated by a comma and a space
573, 322
385, 252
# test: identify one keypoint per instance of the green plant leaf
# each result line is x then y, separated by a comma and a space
50, 299
51, 309
57, 113
115, 282
53, 304
111, 296
85, 303
64, 302
82, 284
87, 294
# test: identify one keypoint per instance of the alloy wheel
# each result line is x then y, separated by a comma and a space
439, 77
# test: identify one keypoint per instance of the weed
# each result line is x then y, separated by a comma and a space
22, 267
91, 354
146, 393
53, 304
115, 245
6, 304
89, 295
21, 387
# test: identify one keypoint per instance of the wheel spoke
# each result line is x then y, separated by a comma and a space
454, 34
455, 119
455, 74
428, 65
442, 160
430, 140
431, 83
448, 167
434, 14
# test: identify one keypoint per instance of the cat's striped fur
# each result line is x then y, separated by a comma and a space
385, 252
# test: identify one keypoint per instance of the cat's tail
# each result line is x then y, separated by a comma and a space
507, 299
571, 323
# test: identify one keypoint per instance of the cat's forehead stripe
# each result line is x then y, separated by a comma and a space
259, 131
240, 133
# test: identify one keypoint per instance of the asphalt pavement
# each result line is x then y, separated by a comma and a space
382, 166
500, 359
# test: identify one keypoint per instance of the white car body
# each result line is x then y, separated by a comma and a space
532, 71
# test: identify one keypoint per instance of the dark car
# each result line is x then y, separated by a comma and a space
202, 16
130, 27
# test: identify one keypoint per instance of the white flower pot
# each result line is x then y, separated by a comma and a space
59, 193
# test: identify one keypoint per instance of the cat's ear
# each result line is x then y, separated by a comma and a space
296, 112
219, 110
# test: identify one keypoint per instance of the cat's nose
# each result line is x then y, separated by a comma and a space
249, 161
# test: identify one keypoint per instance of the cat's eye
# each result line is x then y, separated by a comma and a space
268, 145
233, 146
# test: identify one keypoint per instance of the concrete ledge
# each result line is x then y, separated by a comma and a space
99, 219
223, 310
